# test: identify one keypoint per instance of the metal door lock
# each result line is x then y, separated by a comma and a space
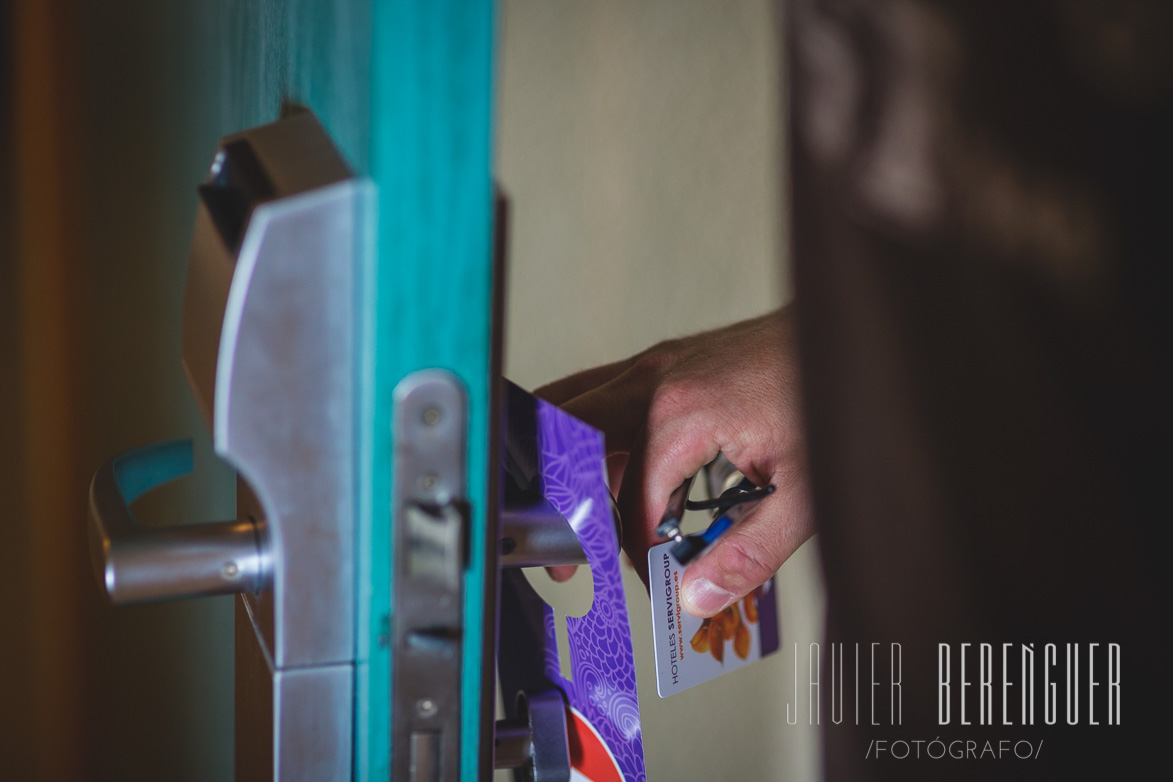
431, 557
270, 349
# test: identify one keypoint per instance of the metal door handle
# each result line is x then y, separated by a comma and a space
139, 564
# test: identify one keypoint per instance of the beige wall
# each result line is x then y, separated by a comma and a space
639, 142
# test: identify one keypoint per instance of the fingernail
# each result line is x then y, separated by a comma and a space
702, 597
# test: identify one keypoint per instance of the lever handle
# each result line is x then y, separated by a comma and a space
138, 564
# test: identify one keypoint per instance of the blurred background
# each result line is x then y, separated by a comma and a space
640, 146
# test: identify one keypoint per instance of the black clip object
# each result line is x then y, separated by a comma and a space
733, 504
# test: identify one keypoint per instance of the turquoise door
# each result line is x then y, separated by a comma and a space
404, 88
430, 305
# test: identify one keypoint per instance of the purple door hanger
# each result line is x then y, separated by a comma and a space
552, 453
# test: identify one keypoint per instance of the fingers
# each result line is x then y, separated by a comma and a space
614, 398
618, 408
616, 465
611, 410
562, 573
746, 556
562, 391
661, 459
636, 534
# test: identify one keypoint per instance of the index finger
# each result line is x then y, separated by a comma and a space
562, 391
659, 462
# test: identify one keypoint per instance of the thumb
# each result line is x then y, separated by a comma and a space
748, 555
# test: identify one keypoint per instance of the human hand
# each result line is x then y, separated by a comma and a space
667, 411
